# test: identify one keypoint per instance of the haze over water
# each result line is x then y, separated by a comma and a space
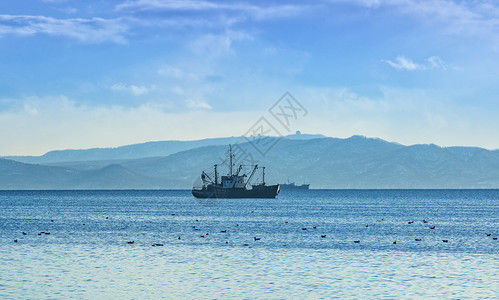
86, 254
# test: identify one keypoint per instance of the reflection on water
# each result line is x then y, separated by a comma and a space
249, 248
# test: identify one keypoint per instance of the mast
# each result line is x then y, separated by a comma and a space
263, 175
216, 175
230, 158
251, 176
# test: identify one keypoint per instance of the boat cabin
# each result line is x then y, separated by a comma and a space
234, 181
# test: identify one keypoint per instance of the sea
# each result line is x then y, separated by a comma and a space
305, 244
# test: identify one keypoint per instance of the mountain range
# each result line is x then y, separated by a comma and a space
353, 163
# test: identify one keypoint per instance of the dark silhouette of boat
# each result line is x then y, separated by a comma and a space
234, 185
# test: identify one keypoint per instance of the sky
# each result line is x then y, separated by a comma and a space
84, 74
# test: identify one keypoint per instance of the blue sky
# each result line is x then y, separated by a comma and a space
81, 74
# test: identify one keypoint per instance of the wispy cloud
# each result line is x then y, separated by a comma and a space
34, 117
174, 72
197, 104
218, 45
54, 1
94, 30
404, 63
134, 89
255, 11
480, 17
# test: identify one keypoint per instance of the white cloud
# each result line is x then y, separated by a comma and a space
407, 116
143, 5
402, 63
37, 125
432, 62
479, 17
60, 123
134, 89
54, 1
255, 11
197, 104
175, 72
94, 30
218, 45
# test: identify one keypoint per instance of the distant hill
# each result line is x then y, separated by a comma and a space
143, 150
149, 149
356, 162
20, 176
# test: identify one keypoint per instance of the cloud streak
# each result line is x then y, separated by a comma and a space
134, 89
470, 18
257, 12
197, 104
404, 63
94, 30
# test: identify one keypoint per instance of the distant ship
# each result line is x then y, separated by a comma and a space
293, 186
234, 185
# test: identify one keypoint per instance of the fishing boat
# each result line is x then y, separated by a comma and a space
294, 186
234, 184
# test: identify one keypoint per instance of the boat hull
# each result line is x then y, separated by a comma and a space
270, 191
295, 187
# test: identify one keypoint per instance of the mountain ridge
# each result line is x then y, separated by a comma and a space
353, 163
134, 151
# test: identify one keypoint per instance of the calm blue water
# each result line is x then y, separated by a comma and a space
86, 254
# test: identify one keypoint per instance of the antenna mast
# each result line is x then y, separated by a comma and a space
263, 175
216, 175
230, 158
